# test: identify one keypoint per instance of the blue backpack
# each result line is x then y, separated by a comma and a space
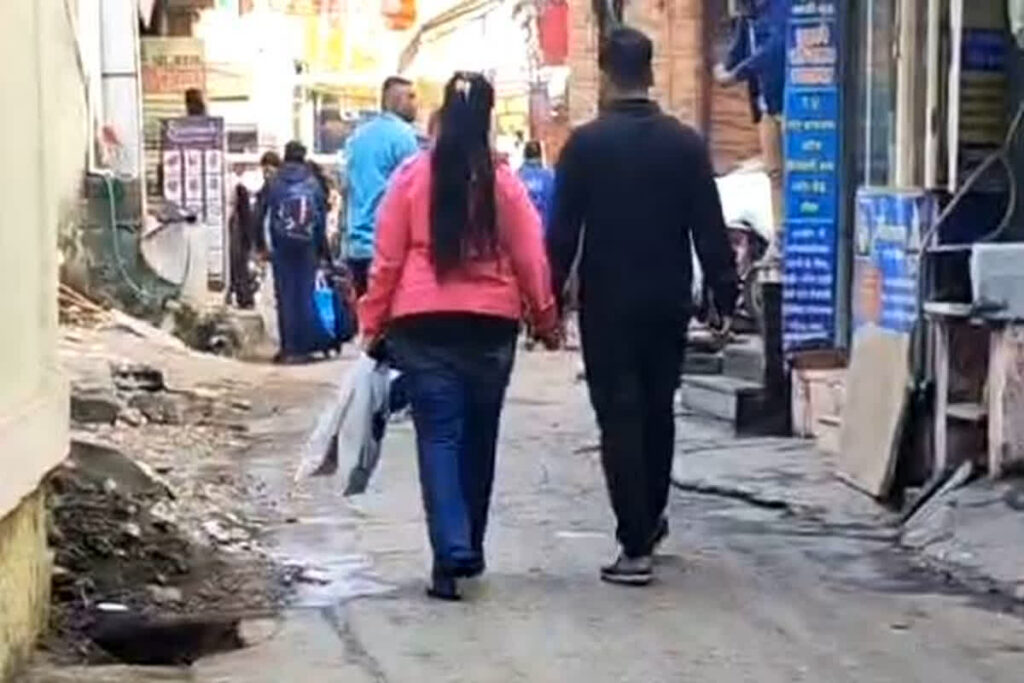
295, 211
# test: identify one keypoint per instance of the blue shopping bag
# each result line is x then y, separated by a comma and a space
324, 302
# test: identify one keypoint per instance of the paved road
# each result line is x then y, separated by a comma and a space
743, 593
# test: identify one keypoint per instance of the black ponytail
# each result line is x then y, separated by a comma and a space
462, 203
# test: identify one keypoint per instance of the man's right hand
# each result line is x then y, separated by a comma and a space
552, 338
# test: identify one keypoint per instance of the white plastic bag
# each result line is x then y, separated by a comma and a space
347, 437
1015, 8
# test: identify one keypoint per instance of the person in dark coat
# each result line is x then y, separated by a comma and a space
243, 232
641, 185
296, 221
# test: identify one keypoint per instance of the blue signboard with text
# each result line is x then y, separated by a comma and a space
887, 239
812, 158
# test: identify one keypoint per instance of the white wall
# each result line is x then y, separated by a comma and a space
44, 144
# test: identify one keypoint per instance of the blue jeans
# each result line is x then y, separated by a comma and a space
457, 391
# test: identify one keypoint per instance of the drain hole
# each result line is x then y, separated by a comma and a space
170, 641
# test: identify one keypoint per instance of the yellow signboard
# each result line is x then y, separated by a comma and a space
172, 65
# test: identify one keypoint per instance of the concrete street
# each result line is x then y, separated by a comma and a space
745, 591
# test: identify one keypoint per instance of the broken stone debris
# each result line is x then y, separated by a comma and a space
113, 470
133, 377
165, 595
94, 405
158, 408
120, 546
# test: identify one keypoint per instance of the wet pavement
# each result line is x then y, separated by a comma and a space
745, 592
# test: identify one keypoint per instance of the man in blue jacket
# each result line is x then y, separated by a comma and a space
758, 58
539, 181
372, 154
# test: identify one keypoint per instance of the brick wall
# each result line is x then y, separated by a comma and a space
688, 36
675, 28
583, 81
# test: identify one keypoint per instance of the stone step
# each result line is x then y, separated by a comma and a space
744, 360
702, 363
717, 396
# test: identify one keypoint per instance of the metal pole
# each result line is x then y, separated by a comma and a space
931, 145
122, 97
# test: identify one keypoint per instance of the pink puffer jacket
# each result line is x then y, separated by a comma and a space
402, 278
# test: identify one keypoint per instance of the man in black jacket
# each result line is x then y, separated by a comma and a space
635, 189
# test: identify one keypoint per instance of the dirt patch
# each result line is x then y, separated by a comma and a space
121, 551
154, 523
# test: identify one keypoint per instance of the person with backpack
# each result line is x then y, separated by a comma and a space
458, 250
296, 222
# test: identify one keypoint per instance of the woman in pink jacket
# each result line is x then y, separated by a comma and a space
458, 250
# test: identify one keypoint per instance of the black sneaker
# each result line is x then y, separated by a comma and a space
629, 571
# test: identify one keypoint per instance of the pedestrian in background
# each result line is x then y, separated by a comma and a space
270, 164
757, 57
538, 179
459, 248
296, 215
371, 155
243, 241
642, 185
195, 102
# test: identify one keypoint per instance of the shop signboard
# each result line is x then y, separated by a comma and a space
812, 158
170, 66
192, 157
887, 234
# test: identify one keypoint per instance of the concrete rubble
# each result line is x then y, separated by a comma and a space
976, 533
145, 515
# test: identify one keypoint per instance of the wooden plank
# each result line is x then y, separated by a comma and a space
874, 410
1006, 400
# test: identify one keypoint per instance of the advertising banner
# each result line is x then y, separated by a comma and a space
192, 157
887, 239
170, 66
811, 150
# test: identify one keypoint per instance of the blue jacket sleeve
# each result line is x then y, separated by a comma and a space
738, 48
768, 51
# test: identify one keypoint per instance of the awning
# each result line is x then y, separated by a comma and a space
463, 10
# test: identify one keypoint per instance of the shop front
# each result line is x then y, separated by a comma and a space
901, 156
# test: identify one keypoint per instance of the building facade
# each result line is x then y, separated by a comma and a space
689, 37
44, 141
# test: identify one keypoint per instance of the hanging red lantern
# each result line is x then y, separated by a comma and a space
399, 15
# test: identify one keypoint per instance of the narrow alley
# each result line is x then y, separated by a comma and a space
246, 243
746, 591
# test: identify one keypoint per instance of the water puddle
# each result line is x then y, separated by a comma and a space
326, 581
